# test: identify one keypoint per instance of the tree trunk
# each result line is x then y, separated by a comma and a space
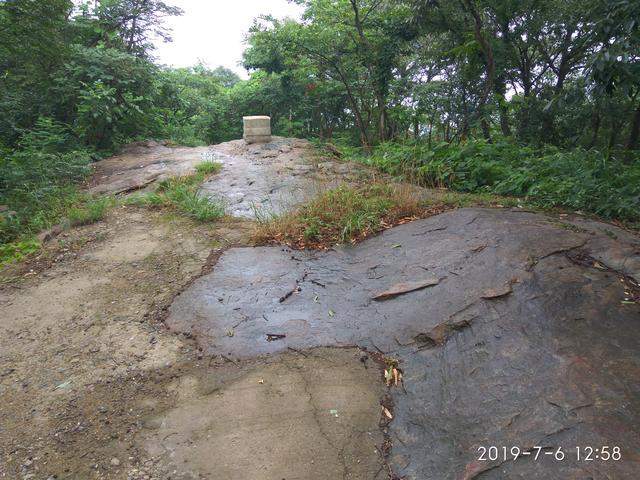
431, 120
382, 124
378, 89
632, 141
613, 137
596, 120
487, 51
486, 132
364, 138
500, 91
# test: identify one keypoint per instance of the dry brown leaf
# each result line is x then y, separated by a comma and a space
402, 288
497, 292
387, 413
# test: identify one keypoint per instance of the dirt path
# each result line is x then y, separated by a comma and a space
148, 347
87, 365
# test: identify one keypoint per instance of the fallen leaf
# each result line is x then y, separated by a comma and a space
497, 292
387, 413
63, 385
230, 332
397, 245
272, 337
331, 313
401, 288
261, 381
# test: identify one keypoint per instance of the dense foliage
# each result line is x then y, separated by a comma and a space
78, 81
561, 72
533, 98
584, 180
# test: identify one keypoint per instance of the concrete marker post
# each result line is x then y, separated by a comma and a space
257, 129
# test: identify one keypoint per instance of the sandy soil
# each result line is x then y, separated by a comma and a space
82, 345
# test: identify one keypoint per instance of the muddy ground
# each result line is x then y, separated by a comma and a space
149, 347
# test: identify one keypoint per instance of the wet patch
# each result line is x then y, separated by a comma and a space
261, 180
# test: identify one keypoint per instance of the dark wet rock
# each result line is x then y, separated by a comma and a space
550, 359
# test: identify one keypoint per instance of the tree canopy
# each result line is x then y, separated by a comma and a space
538, 71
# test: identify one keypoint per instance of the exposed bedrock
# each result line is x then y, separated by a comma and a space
511, 329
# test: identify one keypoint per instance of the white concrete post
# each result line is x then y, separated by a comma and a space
257, 129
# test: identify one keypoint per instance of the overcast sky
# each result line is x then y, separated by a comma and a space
213, 30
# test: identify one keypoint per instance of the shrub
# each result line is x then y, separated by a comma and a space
36, 189
578, 179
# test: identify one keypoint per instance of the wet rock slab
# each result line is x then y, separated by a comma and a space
523, 341
271, 178
142, 164
256, 180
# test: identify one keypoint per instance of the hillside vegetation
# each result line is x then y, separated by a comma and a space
535, 99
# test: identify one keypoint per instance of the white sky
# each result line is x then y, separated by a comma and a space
214, 30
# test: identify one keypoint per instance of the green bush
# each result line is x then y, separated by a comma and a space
37, 188
548, 177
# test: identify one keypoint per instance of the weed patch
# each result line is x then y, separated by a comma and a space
345, 214
181, 194
19, 250
93, 210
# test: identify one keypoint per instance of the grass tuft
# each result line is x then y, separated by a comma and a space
181, 193
345, 214
93, 210
208, 168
